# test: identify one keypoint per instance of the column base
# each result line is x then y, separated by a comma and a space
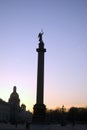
39, 113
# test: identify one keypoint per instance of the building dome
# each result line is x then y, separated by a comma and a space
14, 94
14, 97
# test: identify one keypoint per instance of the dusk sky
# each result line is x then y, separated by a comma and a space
64, 23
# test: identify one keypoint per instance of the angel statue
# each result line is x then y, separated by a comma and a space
40, 36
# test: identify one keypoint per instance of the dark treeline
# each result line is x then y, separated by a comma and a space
62, 116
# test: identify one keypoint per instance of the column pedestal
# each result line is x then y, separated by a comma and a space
39, 113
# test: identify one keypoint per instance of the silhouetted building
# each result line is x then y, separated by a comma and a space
4, 111
14, 98
25, 116
11, 111
14, 103
39, 107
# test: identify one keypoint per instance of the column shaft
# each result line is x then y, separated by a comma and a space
40, 78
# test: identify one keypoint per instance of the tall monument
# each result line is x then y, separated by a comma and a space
39, 107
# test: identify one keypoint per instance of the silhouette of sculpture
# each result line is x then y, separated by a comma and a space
40, 36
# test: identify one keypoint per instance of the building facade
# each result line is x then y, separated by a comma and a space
11, 111
4, 111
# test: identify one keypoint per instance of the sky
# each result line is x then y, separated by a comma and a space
64, 23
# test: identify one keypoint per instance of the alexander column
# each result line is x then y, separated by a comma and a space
39, 107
